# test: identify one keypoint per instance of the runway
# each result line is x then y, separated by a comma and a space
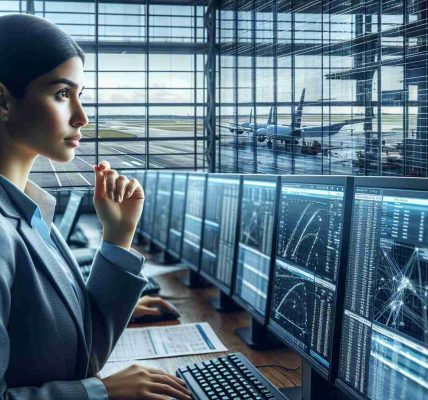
165, 150
172, 144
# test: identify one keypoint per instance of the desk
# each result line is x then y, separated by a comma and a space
193, 306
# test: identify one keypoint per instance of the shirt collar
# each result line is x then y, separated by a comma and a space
33, 198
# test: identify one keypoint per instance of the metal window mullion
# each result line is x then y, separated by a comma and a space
293, 84
195, 111
97, 157
405, 87
254, 77
275, 78
235, 54
147, 109
322, 95
379, 88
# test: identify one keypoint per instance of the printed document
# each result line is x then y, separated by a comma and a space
166, 341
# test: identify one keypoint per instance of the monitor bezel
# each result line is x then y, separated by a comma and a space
148, 235
192, 267
155, 240
222, 286
347, 182
397, 183
262, 319
168, 248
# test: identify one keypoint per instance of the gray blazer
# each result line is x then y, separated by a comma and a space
48, 344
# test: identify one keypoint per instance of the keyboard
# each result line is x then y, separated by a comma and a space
230, 377
152, 287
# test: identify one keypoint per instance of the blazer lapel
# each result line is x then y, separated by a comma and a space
49, 265
74, 266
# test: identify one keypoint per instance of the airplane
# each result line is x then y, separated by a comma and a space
295, 131
250, 126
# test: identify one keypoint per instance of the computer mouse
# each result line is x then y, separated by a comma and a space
166, 315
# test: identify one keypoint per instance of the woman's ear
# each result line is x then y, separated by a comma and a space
5, 99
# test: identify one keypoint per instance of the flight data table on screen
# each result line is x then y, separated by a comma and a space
162, 208
306, 267
255, 242
193, 220
177, 214
149, 203
221, 217
384, 351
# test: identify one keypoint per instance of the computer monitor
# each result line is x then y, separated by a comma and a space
175, 236
193, 220
150, 185
71, 215
384, 347
310, 266
220, 229
162, 209
256, 244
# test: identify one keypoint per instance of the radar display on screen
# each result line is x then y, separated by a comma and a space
162, 210
177, 213
220, 226
255, 242
149, 202
306, 266
193, 219
384, 352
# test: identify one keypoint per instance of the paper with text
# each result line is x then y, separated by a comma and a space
166, 341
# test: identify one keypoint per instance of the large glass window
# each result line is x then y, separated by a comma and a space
349, 85
145, 90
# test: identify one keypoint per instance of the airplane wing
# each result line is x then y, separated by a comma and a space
236, 127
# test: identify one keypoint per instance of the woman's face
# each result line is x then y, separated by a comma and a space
48, 119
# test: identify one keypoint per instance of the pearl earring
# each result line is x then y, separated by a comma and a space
5, 117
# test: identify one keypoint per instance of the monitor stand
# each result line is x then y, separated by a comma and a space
164, 258
151, 248
224, 303
314, 386
193, 280
257, 336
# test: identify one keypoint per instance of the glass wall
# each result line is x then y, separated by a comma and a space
145, 91
323, 87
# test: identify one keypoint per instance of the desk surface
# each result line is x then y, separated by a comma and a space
194, 306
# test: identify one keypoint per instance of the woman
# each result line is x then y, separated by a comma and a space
55, 332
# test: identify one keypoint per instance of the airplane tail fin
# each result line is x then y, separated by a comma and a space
270, 118
299, 111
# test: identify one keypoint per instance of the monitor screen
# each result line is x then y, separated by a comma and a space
384, 348
255, 243
71, 214
220, 224
306, 267
193, 220
162, 209
149, 203
177, 214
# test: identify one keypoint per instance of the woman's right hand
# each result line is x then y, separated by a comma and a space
138, 383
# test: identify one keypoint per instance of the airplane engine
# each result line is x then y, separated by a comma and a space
261, 132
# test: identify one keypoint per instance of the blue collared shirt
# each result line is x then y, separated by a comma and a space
38, 208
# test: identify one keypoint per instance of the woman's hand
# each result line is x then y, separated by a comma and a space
138, 383
118, 203
147, 306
